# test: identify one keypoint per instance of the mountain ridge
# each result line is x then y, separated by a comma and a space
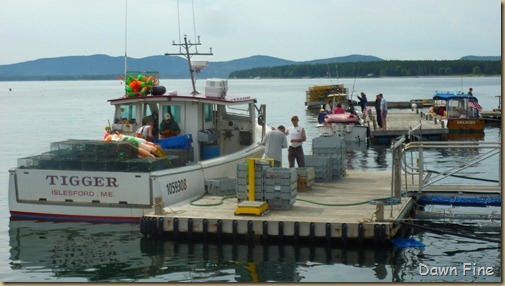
101, 66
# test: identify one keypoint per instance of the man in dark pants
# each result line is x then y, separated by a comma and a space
296, 138
378, 110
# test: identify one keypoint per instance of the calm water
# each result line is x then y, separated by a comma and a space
37, 113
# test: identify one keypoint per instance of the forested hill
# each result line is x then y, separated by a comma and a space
173, 67
377, 69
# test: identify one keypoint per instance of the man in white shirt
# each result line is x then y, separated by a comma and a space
296, 138
274, 142
384, 111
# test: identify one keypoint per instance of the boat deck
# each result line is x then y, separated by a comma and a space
400, 122
336, 210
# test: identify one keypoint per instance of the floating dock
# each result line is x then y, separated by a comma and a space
340, 211
420, 103
492, 116
401, 123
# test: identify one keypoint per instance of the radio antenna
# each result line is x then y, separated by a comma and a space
126, 39
187, 54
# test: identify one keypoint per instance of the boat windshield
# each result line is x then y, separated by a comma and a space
461, 108
238, 109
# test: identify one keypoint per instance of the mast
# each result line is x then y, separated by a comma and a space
187, 54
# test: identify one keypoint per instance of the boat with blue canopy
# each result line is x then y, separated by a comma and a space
461, 112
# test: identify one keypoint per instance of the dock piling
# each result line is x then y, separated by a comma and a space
379, 213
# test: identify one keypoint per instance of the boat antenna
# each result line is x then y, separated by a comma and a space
355, 75
179, 24
336, 71
187, 54
187, 46
126, 39
194, 22
329, 75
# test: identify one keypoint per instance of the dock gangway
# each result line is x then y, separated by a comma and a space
453, 173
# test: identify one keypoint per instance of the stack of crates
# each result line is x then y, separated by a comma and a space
333, 147
306, 178
280, 188
322, 167
223, 186
261, 166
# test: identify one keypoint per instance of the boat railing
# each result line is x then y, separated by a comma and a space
427, 166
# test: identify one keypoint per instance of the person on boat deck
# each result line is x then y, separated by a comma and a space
274, 142
384, 111
339, 109
322, 116
107, 132
363, 102
146, 131
378, 110
470, 91
169, 128
296, 138
350, 109
329, 106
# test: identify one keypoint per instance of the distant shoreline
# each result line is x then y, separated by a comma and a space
99, 78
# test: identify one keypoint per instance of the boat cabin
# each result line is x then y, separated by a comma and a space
452, 105
217, 124
461, 111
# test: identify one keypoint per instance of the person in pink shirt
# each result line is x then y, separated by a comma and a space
338, 109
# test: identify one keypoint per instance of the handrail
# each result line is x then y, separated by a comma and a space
400, 148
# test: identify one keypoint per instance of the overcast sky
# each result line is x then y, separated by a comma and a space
296, 30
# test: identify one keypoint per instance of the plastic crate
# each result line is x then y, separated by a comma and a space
176, 142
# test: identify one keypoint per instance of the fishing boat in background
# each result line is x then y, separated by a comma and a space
461, 112
316, 97
109, 181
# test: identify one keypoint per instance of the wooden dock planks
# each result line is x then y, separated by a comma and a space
400, 122
305, 219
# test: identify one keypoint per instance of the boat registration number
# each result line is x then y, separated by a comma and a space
177, 186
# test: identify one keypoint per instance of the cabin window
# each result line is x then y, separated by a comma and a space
150, 112
174, 110
126, 113
238, 109
208, 110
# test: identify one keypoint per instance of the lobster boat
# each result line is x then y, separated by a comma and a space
117, 180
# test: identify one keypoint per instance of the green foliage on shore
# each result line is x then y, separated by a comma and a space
376, 69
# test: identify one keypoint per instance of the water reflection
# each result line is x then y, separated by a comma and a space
93, 253
465, 136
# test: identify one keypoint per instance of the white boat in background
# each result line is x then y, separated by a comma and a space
98, 181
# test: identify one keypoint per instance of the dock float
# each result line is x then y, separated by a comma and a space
400, 123
491, 116
347, 210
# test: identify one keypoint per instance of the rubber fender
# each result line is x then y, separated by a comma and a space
158, 90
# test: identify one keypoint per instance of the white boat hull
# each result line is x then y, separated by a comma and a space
350, 133
112, 196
